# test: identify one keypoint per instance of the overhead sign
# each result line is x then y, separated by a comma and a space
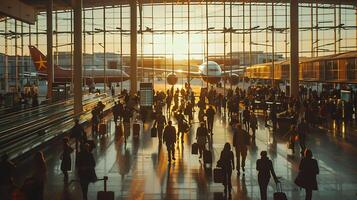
146, 94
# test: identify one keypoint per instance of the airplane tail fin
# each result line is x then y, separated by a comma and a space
39, 60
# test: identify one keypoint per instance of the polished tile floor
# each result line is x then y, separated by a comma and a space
139, 169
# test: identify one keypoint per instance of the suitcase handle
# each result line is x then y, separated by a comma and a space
105, 179
278, 185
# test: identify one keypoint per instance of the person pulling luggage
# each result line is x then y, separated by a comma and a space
202, 138
264, 167
170, 140
241, 140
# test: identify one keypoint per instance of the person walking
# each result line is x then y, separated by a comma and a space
66, 158
303, 128
226, 162
170, 140
253, 125
246, 118
86, 169
202, 138
127, 114
240, 142
160, 123
308, 169
78, 133
210, 118
7, 171
264, 167
182, 125
39, 176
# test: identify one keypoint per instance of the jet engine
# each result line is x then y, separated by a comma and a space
171, 79
234, 79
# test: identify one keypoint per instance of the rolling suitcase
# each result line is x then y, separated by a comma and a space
105, 195
207, 156
136, 129
153, 132
218, 175
194, 149
279, 194
103, 129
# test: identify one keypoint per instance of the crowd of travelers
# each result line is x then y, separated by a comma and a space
173, 116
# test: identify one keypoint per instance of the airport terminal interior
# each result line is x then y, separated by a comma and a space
178, 99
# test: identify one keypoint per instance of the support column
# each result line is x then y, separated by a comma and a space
6, 63
133, 47
49, 49
294, 48
77, 78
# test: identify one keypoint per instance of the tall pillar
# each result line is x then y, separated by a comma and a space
6, 63
49, 48
77, 78
294, 48
133, 47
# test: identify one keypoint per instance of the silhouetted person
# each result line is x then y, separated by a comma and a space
210, 118
78, 133
308, 169
170, 140
181, 125
265, 168
86, 169
7, 170
39, 176
253, 125
66, 158
226, 161
246, 118
160, 124
240, 142
127, 114
202, 138
303, 128
95, 120
116, 112
189, 111
35, 100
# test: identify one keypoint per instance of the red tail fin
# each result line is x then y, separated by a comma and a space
39, 60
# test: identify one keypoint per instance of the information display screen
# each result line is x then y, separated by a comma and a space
146, 94
346, 95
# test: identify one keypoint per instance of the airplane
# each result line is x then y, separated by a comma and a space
211, 72
64, 75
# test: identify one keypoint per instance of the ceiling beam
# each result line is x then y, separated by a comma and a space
18, 10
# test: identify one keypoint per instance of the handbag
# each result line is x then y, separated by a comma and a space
299, 180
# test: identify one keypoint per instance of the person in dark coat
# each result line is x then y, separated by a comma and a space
241, 140
86, 169
308, 169
303, 128
170, 140
265, 168
182, 124
7, 171
66, 158
39, 177
253, 125
160, 123
78, 133
210, 118
202, 138
226, 161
